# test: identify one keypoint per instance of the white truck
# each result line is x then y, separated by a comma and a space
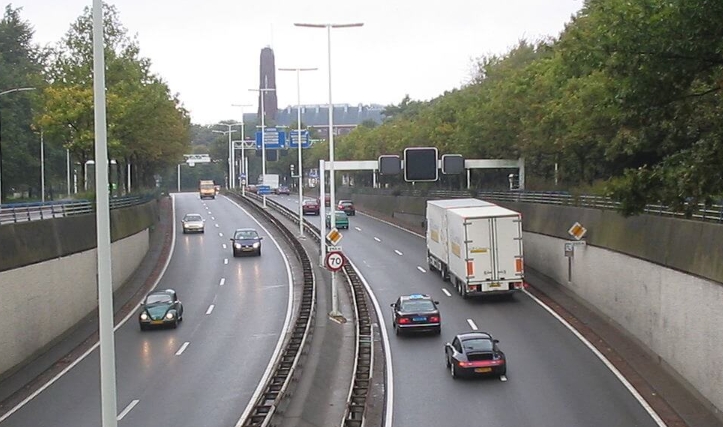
476, 245
271, 180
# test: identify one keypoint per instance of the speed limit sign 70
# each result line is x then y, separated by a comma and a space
334, 261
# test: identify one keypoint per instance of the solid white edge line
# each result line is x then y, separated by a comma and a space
398, 252
183, 348
210, 309
389, 385
471, 324
446, 292
284, 331
128, 408
649, 409
654, 415
223, 280
421, 269
393, 225
97, 344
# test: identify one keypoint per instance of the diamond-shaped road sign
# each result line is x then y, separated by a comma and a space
334, 236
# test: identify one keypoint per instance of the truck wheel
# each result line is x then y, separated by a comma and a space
443, 273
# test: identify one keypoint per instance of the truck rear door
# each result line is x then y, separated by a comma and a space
478, 242
507, 256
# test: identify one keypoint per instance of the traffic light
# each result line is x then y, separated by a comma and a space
452, 164
390, 165
420, 164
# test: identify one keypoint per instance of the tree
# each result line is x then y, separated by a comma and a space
19, 68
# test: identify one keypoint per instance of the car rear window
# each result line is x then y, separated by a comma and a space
193, 218
418, 305
480, 344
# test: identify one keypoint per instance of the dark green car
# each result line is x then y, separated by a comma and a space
160, 308
341, 219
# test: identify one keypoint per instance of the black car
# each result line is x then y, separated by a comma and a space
416, 313
475, 353
161, 308
246, 241
347, 206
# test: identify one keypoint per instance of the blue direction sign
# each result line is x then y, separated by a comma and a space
274, 139
294, 135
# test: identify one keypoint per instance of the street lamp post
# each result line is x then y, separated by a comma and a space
231, 180
298, 142
5, 92
242, 166
262, 92
42, 167
332, 205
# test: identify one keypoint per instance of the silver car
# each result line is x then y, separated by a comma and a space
193, 223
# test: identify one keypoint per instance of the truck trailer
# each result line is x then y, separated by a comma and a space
476, 245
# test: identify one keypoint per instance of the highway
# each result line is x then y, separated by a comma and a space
553, 379
205, 372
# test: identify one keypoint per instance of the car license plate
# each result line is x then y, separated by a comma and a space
482, 370
247, 249
156, 322
419, 319
494, 285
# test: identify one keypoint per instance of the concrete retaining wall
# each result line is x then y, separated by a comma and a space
657, 278
40, 302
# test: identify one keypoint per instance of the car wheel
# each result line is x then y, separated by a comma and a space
453, 371
203, 230
174, 325
438, 331
446, 359
184, 231
396, 330
143, 327
258, 252
234, 253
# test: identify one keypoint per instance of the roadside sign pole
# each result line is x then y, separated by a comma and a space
322, 214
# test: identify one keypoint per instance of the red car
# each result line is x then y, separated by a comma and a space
310, 207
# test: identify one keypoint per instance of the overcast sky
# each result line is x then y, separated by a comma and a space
208, 50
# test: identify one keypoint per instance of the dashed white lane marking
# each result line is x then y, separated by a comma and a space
220, 234
210, 309
213, 218
503, 378
421, 269
127, 409
397, 252
224, 246
446, 292
216, 225
357, 228
472, 324
209, 212
377, 239
223, 280
225, 260
182, 349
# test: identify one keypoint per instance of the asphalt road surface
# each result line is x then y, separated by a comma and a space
205, 372
553, 379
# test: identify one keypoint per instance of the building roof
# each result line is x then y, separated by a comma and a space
318, 115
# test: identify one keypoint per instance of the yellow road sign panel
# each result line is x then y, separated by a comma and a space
334, 236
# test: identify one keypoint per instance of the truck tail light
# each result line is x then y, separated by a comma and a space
519, 265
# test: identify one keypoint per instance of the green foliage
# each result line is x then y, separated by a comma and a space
627, 102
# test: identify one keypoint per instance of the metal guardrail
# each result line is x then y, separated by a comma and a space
701, 212
36, 211
286, 364
364, 349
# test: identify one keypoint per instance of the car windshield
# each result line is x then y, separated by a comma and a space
418, 305
158, 299
246, 234
193, 218
477, 344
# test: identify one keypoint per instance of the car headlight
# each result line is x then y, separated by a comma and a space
169, 315
237, 245
144, 316
256, 245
